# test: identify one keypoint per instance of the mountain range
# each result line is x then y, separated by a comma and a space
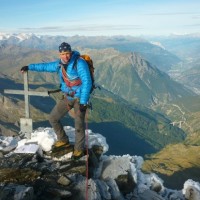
173, 54
136, 76
157, 55
128, 75
185, 47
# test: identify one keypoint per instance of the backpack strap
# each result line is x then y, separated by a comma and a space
75, 62
68, 82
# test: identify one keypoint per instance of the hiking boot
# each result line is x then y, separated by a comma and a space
77, 154
61, 144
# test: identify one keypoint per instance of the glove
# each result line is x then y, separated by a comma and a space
83, 107
24, 69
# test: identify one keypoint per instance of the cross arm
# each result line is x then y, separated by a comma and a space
30, 93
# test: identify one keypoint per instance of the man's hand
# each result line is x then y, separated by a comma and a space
24, 69
83, 107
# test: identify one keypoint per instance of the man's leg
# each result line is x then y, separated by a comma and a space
60, 109
79, 127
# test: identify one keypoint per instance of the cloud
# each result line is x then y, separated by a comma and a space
173, 13
196, 17
193, 25
81, 28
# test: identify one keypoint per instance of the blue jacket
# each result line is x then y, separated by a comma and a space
80, 71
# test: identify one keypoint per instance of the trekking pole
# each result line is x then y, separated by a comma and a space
87, 169
53, 91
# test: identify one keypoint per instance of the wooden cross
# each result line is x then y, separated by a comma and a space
26, 124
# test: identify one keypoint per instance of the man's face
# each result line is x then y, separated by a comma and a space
65, 56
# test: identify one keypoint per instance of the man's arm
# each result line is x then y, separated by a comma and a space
44, 67
84, 74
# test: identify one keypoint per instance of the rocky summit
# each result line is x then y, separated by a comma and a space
33, 171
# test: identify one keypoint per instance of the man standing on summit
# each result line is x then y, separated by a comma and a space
76, 83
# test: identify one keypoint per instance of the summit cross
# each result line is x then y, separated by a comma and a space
26, 124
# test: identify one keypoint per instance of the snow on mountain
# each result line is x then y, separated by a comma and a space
4, 36
23, 36
157, 44
19, 36
148, 186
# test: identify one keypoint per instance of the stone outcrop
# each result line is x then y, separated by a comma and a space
52, 175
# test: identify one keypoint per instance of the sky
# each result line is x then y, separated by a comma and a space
100, 17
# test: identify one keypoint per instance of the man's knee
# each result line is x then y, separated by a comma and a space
52, 119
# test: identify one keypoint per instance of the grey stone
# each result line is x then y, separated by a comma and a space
118, 168
115, 166
146, 195
103, 189
155, 186
16, 192
114, 190
64, 180
192, 193
60, 192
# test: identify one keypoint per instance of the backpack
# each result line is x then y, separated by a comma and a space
91, 68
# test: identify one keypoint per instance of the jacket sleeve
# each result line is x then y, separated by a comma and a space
84, 74
45, 67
